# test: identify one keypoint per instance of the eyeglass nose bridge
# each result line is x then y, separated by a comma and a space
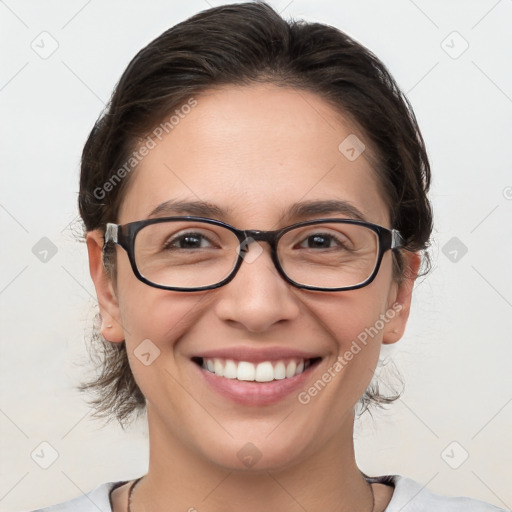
248, 236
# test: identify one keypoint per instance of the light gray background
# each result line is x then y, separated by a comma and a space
456, 354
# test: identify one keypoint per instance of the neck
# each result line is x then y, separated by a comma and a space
180, 479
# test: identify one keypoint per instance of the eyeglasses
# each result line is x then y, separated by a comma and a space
196, 253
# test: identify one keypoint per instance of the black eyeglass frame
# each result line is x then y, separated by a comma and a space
124, 235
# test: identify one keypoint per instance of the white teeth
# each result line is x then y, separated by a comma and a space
265, 371
246, 371
230, 369
280, 371
218, 367
290, 369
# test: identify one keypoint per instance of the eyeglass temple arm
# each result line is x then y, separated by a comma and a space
111, 232
397, 240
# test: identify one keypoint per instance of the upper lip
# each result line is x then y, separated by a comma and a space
256, 355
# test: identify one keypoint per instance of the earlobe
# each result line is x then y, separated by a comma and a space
111, 326
399, 308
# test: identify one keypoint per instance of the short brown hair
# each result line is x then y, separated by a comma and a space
241, 44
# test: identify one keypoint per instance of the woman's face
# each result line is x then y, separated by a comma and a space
253, 152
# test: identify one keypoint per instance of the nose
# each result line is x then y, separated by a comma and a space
257, 297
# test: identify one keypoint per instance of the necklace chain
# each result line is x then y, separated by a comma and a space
132, 488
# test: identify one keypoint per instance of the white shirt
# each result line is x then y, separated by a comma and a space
408, 496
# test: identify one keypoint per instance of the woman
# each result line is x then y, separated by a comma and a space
255, 204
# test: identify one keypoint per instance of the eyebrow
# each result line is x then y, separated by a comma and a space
296, 212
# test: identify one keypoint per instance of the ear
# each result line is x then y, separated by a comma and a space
400, 299
111, 326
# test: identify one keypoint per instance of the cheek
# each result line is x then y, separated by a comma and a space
154, 322
355, 323
159, 315
350, 316
146, 312
359, 337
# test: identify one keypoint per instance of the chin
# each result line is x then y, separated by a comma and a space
256, 454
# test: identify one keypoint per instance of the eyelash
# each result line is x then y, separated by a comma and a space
168, 245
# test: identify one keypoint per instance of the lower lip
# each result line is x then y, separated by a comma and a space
256, 393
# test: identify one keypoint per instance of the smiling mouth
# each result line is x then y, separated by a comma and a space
264, 371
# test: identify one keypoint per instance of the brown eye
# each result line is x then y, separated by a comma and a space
187, 241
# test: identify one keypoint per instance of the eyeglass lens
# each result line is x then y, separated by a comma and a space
195, 254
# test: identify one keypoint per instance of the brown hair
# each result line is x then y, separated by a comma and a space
242, 44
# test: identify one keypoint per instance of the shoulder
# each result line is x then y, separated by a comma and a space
96, 500
411, 496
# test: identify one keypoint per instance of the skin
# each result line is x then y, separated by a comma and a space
254, 150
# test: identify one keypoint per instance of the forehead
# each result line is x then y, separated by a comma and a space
254, 151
